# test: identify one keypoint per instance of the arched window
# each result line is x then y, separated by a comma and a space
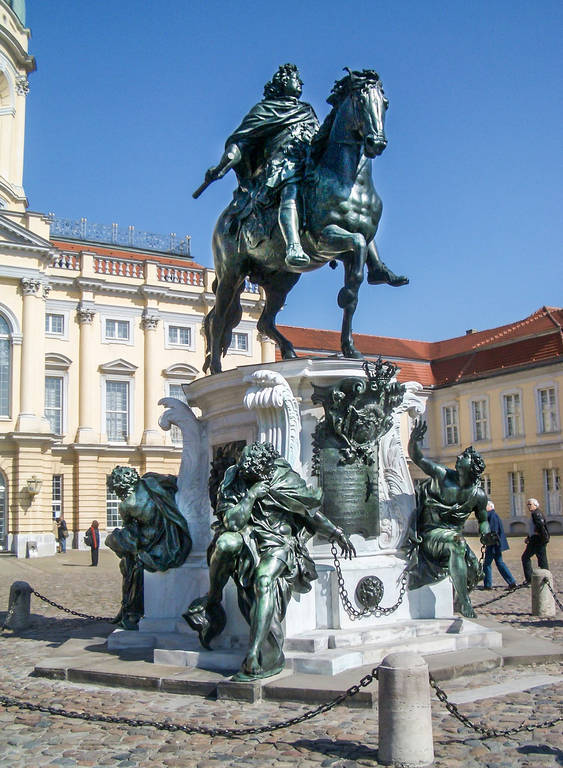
5, 367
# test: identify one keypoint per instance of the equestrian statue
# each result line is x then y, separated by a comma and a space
305, 198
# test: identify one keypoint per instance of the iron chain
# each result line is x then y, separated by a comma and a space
353, 612
8, 701
486, 732
502, 596
69, 610
557, 600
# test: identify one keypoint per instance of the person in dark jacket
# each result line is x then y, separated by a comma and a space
62, 533
92, 539
536, 542
494, 551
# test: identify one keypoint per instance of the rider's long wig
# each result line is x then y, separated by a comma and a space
275, 88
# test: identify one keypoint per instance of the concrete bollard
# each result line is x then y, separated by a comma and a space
18, 617
405, 716
543, 602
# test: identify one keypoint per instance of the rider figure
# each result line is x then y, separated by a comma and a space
268, 152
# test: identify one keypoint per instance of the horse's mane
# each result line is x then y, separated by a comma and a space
342, 88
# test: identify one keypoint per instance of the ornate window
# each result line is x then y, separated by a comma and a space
512, 413
117, 399
179, 336
239, 342
175, 390
480, 419
450, 425
516, 490
54, 324
117, 411
5, 367
113, 518
57, 495
54, 388
547, 409
117, 330
552, 491
486, 485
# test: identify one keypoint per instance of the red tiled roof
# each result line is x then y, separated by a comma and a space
531, 341
119, 254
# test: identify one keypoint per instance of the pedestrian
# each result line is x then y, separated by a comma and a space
494, 551
536, 542
62, 533
92, 539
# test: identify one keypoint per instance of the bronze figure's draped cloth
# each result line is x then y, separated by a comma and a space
437, 524
171, 543
278, 527
274, 140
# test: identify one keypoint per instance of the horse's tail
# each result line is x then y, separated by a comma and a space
207, 331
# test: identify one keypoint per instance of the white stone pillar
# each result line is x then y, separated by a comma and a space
87, 378
543, 602
151, 433
32, 375
405, 717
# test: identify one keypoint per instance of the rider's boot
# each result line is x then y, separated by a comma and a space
379, 273
295, 256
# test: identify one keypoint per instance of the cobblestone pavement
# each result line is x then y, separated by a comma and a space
342, 738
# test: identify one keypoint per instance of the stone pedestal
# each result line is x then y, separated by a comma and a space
543, 602
405, 716
275, 405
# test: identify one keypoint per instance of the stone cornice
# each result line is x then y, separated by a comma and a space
22, 59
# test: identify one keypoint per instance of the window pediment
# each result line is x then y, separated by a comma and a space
119, 366
56, 362
181, 371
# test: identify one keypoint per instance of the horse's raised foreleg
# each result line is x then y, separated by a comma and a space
353, 249
276, 292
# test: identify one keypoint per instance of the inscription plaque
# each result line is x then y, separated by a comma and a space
350, 493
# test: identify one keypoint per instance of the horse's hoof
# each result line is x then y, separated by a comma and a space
352, 353
384, 276
289, 354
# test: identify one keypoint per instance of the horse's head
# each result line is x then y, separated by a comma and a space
362, 93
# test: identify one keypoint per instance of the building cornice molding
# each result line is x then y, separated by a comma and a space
20, 57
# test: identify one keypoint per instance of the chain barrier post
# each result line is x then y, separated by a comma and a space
543, 603
405, 715
19, 607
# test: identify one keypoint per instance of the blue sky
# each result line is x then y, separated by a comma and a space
133, 100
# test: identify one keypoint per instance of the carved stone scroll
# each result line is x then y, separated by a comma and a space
277, 410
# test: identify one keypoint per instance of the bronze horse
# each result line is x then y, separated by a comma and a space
341, 213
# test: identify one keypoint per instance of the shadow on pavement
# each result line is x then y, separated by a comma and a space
542, 749
58, 631
346, 750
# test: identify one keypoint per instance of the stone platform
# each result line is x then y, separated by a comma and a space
321, 652
89, 661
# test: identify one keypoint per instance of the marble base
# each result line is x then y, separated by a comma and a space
331, 652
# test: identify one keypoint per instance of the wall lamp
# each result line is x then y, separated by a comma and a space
33, 486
